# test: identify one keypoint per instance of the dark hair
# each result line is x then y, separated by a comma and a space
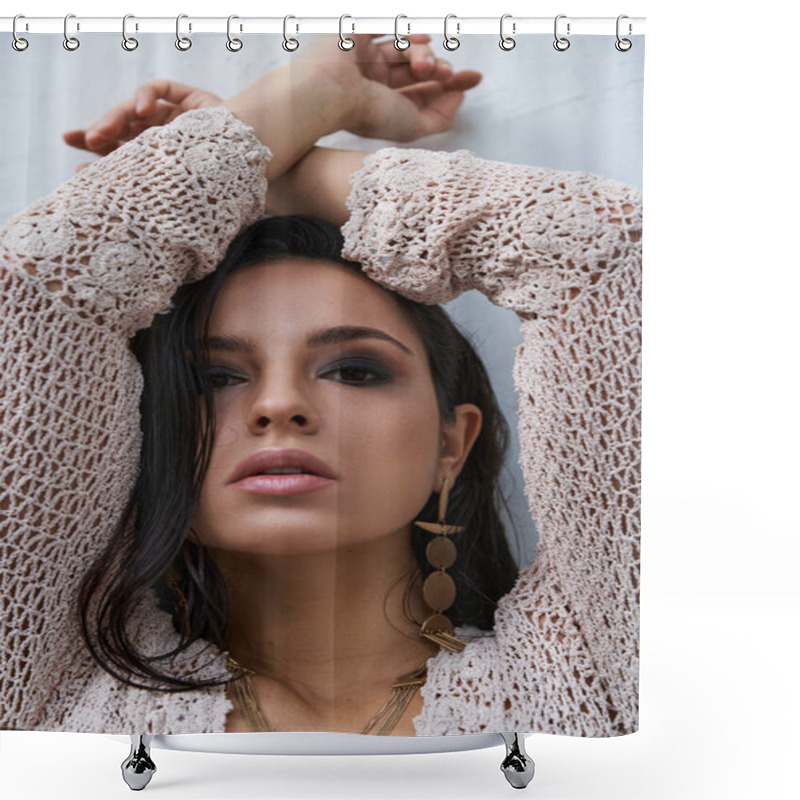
149, 549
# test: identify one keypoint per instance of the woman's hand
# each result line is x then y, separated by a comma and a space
154, 103
396, 95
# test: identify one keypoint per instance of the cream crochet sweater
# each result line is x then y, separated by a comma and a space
84, 268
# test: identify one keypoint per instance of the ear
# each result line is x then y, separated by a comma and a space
457, 440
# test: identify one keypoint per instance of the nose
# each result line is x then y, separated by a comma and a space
282, 400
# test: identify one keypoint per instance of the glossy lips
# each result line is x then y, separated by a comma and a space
248, 475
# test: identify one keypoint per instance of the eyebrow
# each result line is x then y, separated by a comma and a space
321, 338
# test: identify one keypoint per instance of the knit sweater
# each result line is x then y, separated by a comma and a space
85, 267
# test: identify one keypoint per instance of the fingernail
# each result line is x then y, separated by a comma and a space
430, 58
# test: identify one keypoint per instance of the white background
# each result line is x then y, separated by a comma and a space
719, 702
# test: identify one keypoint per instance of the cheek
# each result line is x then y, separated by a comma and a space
391, 458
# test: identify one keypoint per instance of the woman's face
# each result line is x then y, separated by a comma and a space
366, 406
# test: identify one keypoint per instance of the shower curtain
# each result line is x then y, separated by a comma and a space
321, 385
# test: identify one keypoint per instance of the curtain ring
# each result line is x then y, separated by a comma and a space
18, 43
234, 45
128, 42
70, 42
289, 45
561, 43
345, 43
400, 42
182, 42
623, 45
451, 42
506, 42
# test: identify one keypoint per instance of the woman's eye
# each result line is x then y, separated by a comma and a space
219, 380
356, 374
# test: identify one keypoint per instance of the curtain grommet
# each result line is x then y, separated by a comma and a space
70, 42
183, 43
289, 45
507, 42
561, 43
451, 42
18, 43
128, 42
400, 42
345, 43
234, 45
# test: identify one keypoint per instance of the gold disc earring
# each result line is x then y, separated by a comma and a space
439, 589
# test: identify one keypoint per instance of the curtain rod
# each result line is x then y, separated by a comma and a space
434, 26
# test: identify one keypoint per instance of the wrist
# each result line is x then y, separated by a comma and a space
319, 184
290, 108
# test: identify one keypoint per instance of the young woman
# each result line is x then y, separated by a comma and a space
188, 345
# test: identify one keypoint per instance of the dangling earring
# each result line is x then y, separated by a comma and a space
439, 589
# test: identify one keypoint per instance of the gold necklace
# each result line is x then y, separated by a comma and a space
381, 724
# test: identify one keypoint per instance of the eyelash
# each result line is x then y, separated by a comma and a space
383, 376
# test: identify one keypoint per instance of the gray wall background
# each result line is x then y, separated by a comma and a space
576, 110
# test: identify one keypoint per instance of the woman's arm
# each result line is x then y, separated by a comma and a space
318, 184
562, 250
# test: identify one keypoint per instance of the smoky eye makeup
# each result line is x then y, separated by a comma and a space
356, 369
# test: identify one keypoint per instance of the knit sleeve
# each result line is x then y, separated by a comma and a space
114, 242
562, 250
80, 271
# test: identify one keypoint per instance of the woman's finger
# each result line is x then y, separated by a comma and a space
394, 56
147, 103
115, 128
460, 82
414, 64
407, 74
113, 125
146, 96
76, 138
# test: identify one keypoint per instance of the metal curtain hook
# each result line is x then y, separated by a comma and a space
70, 42
345, 43
561, 43
623, 45
234, 45
182, 42
289, 44
18, 43
506, 42
400, 42
128, 42
451, 42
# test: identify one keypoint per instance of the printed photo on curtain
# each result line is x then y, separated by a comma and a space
321, 386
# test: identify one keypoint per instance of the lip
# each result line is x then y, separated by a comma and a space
273, 458
282, 484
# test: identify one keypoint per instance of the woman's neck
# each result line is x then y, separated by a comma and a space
327, 625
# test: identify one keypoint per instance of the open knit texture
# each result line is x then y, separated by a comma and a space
84, 268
